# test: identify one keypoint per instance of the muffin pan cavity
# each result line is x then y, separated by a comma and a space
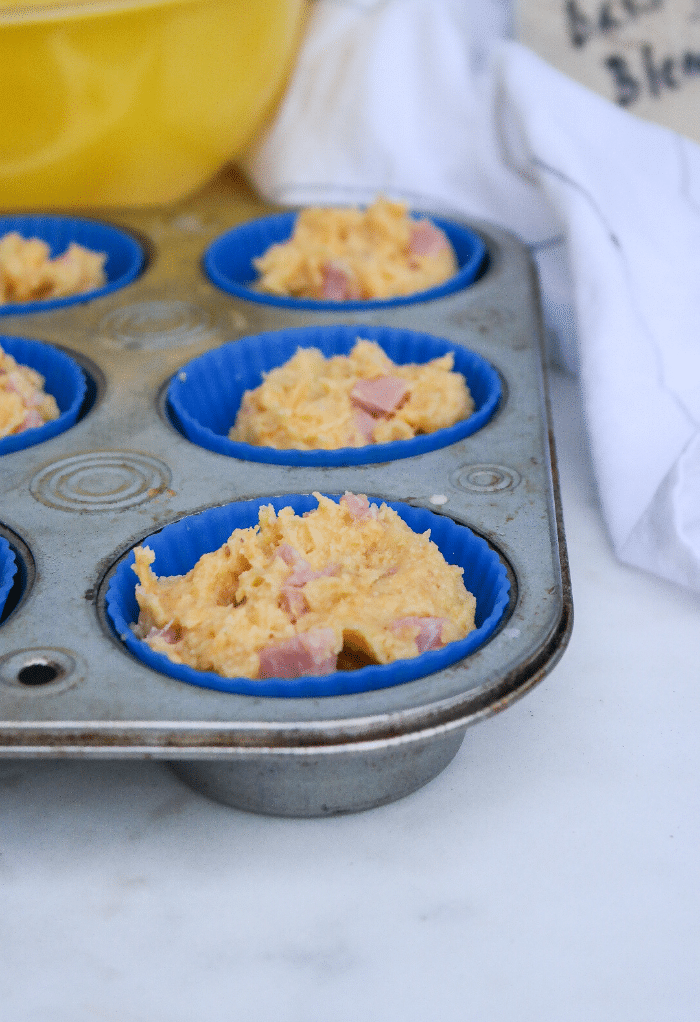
229, 264
205, 394
125, 256
180, 545
63, 378
83, 501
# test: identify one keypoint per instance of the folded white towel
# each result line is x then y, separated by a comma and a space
427, 100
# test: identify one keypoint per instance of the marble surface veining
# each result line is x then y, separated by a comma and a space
549, 873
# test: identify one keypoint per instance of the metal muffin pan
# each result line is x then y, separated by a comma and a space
73, 506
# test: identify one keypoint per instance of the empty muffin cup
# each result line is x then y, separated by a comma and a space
179, 546
124, 255
229, 264
64, 380
203, 398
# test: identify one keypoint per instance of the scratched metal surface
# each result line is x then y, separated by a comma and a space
71, 507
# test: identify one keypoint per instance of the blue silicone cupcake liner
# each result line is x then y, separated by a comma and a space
63, 378
125, 256
179, 546
8, 570
205, 395
229, 264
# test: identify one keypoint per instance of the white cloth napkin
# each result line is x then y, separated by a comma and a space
429, 101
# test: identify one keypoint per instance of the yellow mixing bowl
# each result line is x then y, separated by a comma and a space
134, 103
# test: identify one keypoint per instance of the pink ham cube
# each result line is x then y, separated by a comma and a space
312, 652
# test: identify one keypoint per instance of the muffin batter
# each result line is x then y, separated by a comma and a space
313, 403
29, 274
345, 254
343, 586
23, 402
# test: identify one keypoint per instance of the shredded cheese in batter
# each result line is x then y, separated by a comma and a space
345, 585
23, 401
312, 403
343, 254
29, 274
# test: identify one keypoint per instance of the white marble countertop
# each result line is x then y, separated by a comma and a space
549, 873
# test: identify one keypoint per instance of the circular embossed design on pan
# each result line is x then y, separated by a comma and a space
485, 478
156, 324
100, 481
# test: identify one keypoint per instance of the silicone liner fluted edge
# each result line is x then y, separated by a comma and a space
64, 379
204, 395
8, 570
228, 262
125, 256
178, 547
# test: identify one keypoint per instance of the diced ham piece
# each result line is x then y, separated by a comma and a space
380, 396
364, 424
427, 239
293, 602
31, 420
167, 634
430, 633
308, 653
358, 505
289, 555
301, 574
336, 284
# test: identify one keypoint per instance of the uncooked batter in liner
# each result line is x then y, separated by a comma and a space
314, 403
24, 404
347, 254
29, 274
345, 585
